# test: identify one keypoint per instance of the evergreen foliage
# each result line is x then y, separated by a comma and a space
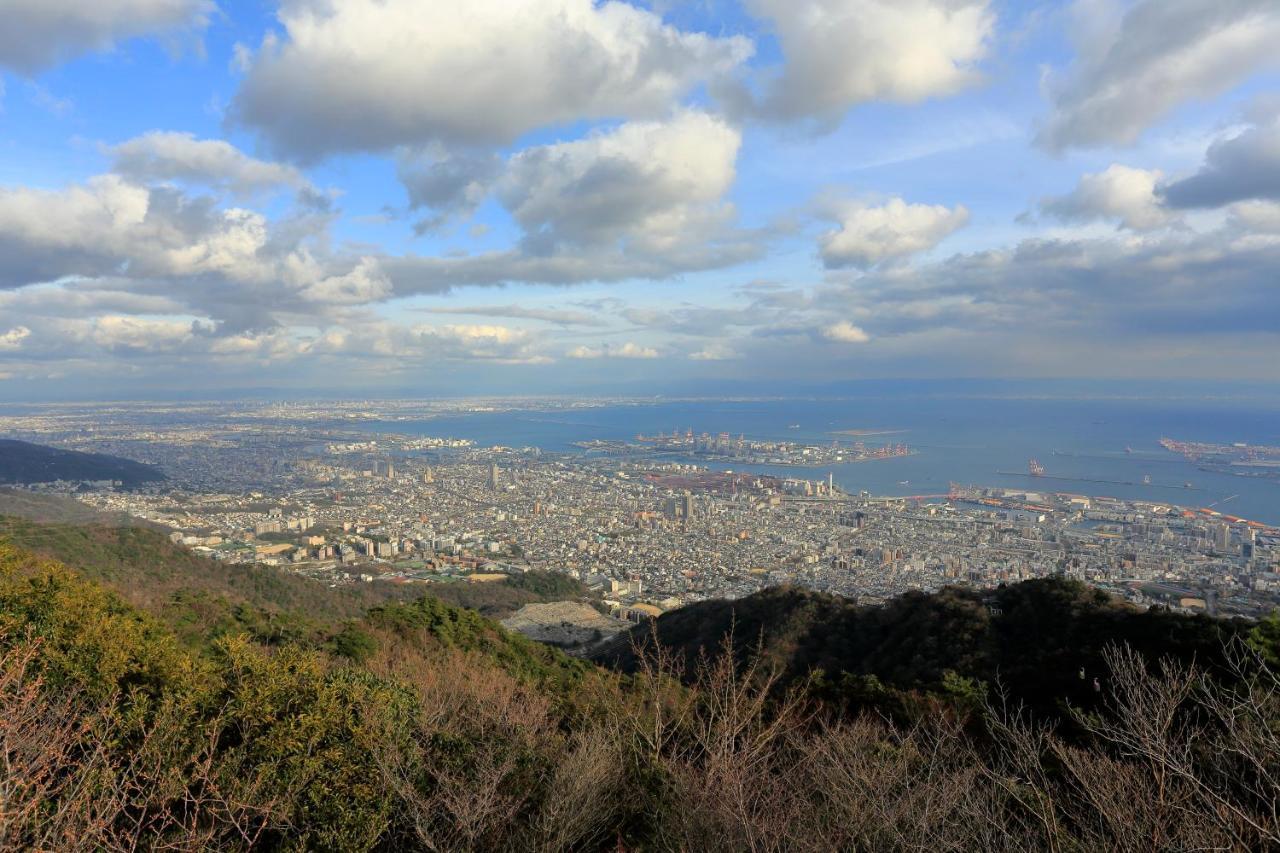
425, 726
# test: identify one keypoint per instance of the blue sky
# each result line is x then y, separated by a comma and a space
504, 196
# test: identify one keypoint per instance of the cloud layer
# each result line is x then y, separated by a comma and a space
576, 190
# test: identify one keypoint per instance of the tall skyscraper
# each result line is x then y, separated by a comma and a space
493, 476
1222, 537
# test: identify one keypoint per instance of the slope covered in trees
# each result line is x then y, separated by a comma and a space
23, 462
1042, 642
202, 598
418, 725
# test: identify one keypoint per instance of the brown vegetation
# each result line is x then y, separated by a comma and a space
451, 735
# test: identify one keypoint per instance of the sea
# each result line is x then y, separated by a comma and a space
968, 440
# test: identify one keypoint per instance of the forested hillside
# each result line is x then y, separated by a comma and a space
23, 462
1043, 642
419, 725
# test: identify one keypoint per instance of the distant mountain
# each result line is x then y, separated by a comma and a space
23, 463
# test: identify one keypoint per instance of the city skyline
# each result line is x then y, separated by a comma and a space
537, 197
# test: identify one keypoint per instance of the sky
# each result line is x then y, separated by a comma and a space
421, 197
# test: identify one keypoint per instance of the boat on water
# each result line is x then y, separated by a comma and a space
904, 482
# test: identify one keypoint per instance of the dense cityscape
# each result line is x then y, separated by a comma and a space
648, 529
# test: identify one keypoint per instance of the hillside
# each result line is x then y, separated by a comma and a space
1034, 639
23, 463
422, 726
198, 597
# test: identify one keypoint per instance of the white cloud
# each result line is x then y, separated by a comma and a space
841, 53
107, 224
845, 332
643, 200
480, 342
157, 248
114, 332
1120, 193
868, 235
476, 333
364, 284
37, 34
352, 75
170, 156
626, 350
1134, 70
655, 184
12, 339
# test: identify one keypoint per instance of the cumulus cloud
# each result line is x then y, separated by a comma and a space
652, 183
1246, 166
845, 332
363, 284
349, 75
643, 200
171, 156
1120, 193
1133, 70
115, 332
626, 350
37, 34
480, 342
841, 53
109, 243
107, 224
868, 235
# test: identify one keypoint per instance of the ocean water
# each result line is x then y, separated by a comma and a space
966, 440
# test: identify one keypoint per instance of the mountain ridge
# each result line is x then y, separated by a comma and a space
24, 463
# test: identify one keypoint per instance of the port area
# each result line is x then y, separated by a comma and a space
1239, 459
724, 448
